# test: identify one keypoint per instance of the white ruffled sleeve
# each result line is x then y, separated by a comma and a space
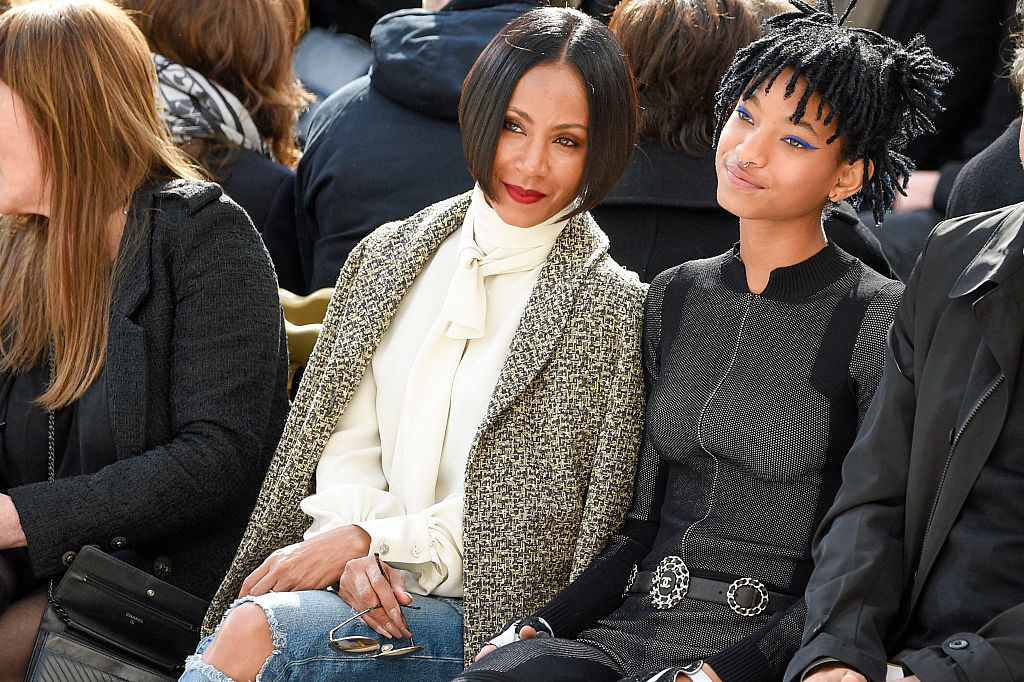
352, 489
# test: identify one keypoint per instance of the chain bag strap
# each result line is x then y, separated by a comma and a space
109, 621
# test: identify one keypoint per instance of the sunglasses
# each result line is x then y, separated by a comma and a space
370, 647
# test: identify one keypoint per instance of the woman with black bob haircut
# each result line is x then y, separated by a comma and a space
470, 419
760, 364
539, 38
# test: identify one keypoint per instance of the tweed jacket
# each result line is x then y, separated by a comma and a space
195, 372
550, 473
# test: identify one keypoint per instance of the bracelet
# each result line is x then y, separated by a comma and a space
695, 671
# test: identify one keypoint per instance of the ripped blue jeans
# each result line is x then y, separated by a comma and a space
300, 621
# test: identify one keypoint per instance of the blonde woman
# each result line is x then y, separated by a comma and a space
140, 324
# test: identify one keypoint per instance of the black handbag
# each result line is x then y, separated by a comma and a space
108, 620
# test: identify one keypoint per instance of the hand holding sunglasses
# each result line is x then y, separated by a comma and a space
368, 582
370, 647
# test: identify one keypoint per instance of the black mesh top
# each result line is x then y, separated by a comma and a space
754, 400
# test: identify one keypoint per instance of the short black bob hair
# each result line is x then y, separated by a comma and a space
879, 92
552, 35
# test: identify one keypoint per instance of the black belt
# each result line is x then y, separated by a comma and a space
672, 581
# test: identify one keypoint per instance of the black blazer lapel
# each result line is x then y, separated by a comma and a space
125, 369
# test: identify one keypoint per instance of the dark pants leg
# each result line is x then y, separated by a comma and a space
557, 660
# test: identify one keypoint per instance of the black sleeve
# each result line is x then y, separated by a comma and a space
599, 589
765, 654
226, 339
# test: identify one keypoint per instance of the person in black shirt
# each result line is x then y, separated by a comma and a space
143, 358
760, 365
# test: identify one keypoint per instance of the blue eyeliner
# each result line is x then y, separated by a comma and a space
800, 142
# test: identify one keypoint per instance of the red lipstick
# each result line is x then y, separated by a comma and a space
523, 196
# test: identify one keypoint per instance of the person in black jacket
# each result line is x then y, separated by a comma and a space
990, 180
664, 211
979, 103
388, 144
760, 365
230, 99
143, 359
920, 560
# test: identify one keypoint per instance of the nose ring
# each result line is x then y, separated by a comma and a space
744, 164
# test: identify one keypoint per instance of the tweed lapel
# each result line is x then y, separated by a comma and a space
380, 285
125, 368
577, 249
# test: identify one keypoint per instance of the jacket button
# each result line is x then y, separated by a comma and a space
958, 644
68, 558
415, 551
162, 567
119, 543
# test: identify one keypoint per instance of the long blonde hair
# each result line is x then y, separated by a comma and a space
83, 71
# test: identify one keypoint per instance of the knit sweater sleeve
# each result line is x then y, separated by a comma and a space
869, 350
599, 589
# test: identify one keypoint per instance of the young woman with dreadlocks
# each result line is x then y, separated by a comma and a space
760, 364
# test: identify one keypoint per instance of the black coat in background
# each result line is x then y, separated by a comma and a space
974, 36
664, 211
195, 369
979, 102
355, 17
266, 190
992, 179
388, 144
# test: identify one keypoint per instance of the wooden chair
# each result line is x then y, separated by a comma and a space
303, 319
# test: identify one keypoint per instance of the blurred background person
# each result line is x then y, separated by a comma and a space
230, 99
387, 145
979, 103
141, 324
994, 177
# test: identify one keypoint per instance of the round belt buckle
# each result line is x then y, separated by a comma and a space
758, 607
670, 584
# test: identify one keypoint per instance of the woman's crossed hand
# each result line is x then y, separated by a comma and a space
336, 557
363, 585
312, 564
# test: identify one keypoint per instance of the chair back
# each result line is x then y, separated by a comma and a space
303, 319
